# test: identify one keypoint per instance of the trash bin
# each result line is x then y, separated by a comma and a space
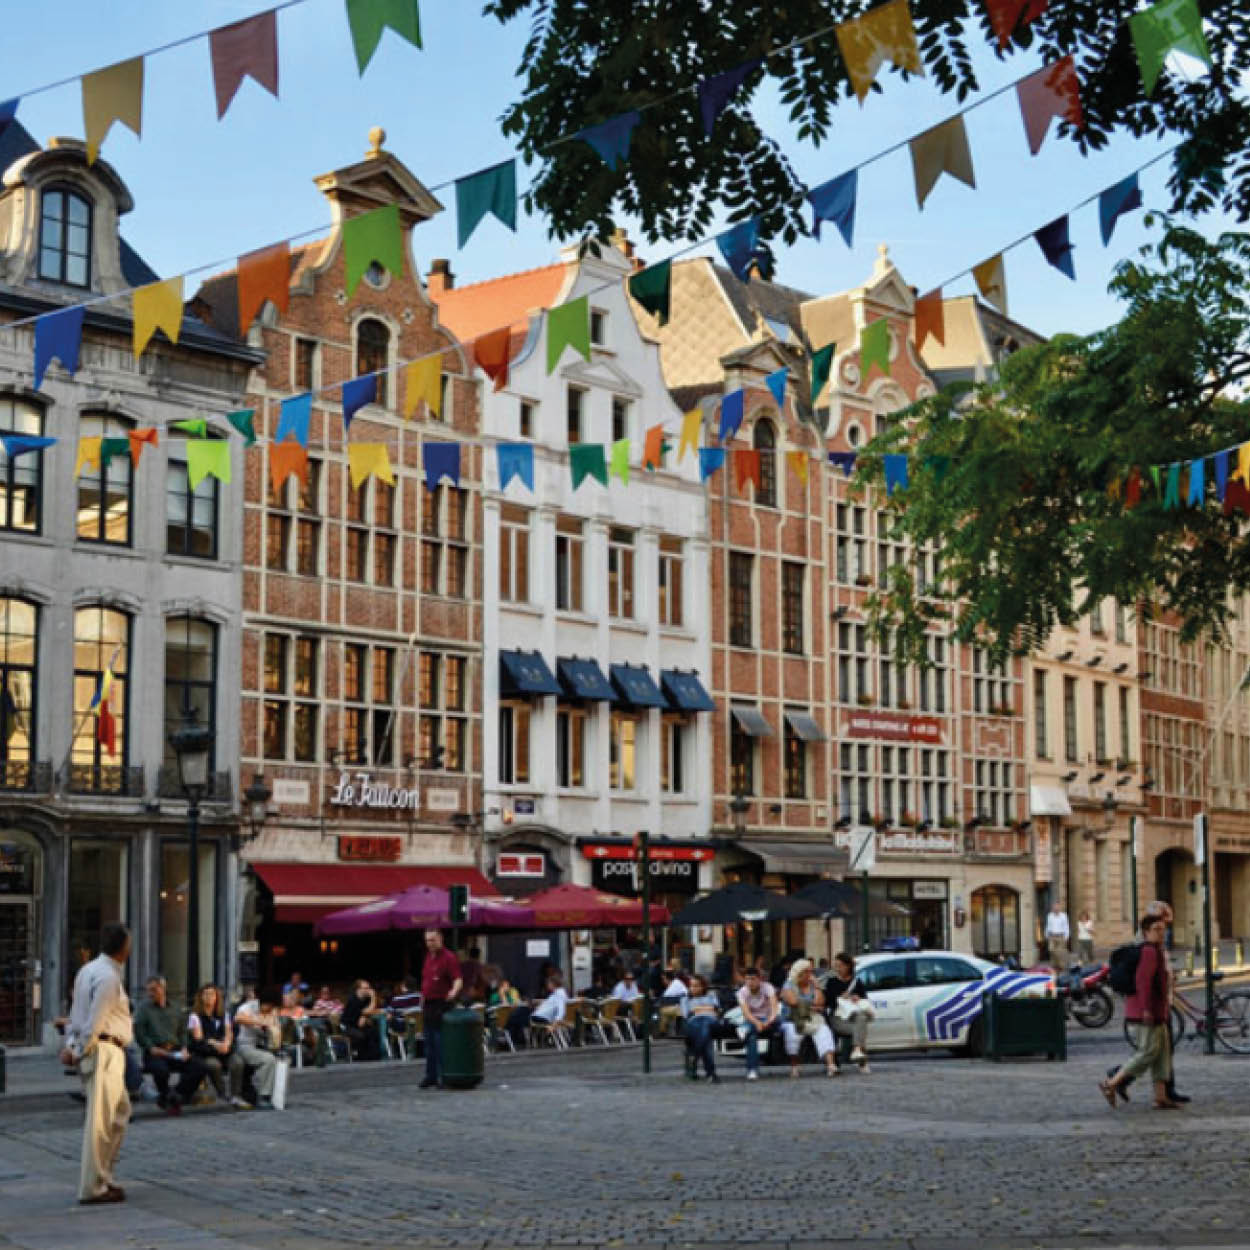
463, 1048
1023, 1026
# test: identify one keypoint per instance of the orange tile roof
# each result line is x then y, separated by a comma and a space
468, 311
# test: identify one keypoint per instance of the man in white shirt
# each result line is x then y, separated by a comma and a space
760, 1013
99, 1032
257, 1030
626, 989
670, 1002
1057, 936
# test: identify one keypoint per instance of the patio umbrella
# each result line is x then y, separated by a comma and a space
580, 907
842, 898
422, 907
741, 901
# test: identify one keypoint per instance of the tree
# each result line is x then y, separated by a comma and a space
1037, 486
585, 63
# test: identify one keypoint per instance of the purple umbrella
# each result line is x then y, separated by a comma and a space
422, 907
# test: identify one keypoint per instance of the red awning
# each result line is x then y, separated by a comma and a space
580, 907
303, 893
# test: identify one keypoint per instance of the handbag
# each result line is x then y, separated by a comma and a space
281, 1074
844, 1009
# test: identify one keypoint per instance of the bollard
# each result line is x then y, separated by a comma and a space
1239, 953
1215, 956
1189, 963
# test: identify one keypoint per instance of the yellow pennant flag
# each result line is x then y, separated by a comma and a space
691, 427
992, 282
423, 382
88, 454
798, 462
112, 95
365, 460
942, 150
158, 306
882, 34
1243, 463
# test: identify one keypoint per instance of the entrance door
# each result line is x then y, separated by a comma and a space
17, 969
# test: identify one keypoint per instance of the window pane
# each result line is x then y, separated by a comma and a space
175, 882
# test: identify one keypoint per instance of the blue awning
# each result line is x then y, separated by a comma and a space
636, 686
584, 679
685, 691
525, 673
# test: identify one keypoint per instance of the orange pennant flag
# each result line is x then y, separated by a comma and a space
263, 275
746, 467
798, 462
1054, 91
653, 448
930, 318
885, 33
992, 281
111, 95
140, 438
490, 351
285, 459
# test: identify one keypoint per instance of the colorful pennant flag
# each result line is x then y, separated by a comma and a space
710, 460
249, 47
357, 392
653, 448
716, 92
896, 478
740, 246
586, 460
1172, 495
798, 462
1169, 26
157, 306
294, 418
207, 457
197, 428
1236, 499
1054, 91
568, 325
138, 440
58, 336
110, 447
732, 410
1006, 15
691, 428
835, 201
776, 383
286, 459
423, 384
490, 190
1221, 473
882, 34
440, 460
369, 18
1114, 202
8, 111
490, 354
1197, 483
88, 454
112, 95
242, 420
1243, 463
652, 287
366, 460
1132, 491
19, 444
929, 312
874, 347
611, 139
263, 275
942, 150
1056, 246
515, 460
991, 280
377, 236
746, 467
822, 363
619, 465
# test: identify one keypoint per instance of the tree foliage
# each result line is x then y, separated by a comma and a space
585, 62
1022, 482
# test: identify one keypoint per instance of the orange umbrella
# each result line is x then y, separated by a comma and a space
580, 907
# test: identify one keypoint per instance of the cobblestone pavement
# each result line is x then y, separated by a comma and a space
581, 1149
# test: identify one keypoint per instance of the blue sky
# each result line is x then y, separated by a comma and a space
208, 190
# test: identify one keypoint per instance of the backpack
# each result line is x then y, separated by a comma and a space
1123, 962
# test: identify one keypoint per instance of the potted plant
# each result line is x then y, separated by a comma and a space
949, 822
880, 822
904, 705
865, 700
907, 820
863, 579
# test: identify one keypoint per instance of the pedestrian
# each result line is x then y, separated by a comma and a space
702, 1012
762, 1015
1085, 937
1146, 1009
1058, 935
440, 986
99, 1032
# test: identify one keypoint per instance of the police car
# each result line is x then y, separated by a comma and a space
933, 998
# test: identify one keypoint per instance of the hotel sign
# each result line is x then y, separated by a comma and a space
892, 727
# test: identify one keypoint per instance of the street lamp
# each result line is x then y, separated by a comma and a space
738, 807
192, 745
257, 797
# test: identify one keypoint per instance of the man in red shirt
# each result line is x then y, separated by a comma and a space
440, 984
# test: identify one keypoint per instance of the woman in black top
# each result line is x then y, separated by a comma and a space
851, 1019
209, 1035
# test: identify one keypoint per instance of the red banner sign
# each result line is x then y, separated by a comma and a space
658, 852
370, 847
514, 864
893, 727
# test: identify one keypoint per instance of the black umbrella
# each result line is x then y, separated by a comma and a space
741, 901
842, 898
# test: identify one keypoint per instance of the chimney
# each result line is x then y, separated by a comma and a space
440, 277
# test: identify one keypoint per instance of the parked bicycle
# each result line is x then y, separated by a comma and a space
1232, 1019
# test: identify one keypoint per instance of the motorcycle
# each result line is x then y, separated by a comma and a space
1085, 996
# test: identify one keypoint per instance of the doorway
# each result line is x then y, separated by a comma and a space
18, 963
1176, 882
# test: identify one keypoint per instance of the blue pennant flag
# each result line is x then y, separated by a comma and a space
740, 246
8, 111
58, 336
776, 382
1056, 246
895, 472
356, 394
1197, 483
1114, 202
440, 460
716, 92
487, 191
293, 419
844, 460
515, 460
710, 459
835, 201
1221, 473
611, 138
732, 410
19, 444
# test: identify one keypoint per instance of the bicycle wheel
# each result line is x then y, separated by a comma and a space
1232, 1021
1176, 1027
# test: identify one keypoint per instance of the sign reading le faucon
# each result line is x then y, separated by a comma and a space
366, 792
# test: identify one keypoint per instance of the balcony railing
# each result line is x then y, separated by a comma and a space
998, 844
107, 779
30, 776
220, 789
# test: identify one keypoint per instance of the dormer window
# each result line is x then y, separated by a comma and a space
65, 237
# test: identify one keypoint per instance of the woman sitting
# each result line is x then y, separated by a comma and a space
849, 1008
805, 1002
701, 1008
210, 1037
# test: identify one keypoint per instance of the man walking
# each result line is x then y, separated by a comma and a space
99, 1032
440, 984
1057, 937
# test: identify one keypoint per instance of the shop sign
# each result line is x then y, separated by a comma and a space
523, 807
656, 852
620, 876
514, 864
893, 728
361, 790
929, 889
442, 800
370, 847
17, 868
1238, 842
900, 842
288, 793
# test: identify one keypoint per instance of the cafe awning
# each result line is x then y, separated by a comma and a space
752, 722
805, 727
1049, 801
685, 691
525, 673
798, 858
636, 686
584, 679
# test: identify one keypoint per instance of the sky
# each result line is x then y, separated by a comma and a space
206, 191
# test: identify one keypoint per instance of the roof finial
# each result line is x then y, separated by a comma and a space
377, 137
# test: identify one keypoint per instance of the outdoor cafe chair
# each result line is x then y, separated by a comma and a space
610, 1018
591, 1017
498, 1031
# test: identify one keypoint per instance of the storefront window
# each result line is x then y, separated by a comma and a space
97, 896
175, 874
995, 922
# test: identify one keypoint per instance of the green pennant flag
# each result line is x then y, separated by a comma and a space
651, 287
822, 362
369, 18
1172, 499
487, 191
1169, 26
376, 235
242, 421
874, 347
586, 460
110, 447
940, 465
208, 457
620, 459
1154, 473
568, 325
197, 427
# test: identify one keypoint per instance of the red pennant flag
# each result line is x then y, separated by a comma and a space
930, 318
1236, 498
1054, 91
1132, 489
287, 458
106, 728
137, 440
1006, 15
653, 448
746, 467
242, 48
491, 352
263, 275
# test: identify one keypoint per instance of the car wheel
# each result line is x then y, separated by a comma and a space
974, 1047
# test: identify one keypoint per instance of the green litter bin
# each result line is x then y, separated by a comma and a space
1023, 1026
463, 1049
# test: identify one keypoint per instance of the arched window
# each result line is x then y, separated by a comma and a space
65, 237
995, 921
373, 352
19, 622
764, 439
190, 685
104, 494
21, 475
101, 663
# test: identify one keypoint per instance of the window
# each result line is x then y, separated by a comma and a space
373, 353
622, 751
98, 757
292, 697
854, 685
190, 681
741, 759
444, 545
935, 786
367, 732
672, 749
741, 633
1100, 721
995, 922
104, 494
792, 576
21, 476
514, 744
620, 418
855, 782
764, 440
670, 596
514, 553
18, 685
1041, 742
890, 974
852, 546
991, 687
1070, 742
190, 515
993, 795
570, 559
896, 786
447, 395
174, 915
65, 237
570, 749
942, 970
795, 763
281, 520
1121, 621
370, 534
526, 418
598, 328
576, 402
442, 689
306, 359
1126, 740
931, 678
621, 573
1097, 619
